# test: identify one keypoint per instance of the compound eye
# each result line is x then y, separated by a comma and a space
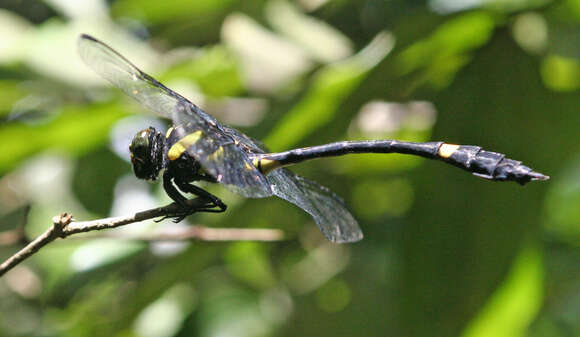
141, 144
142, 156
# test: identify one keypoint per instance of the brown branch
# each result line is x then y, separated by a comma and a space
200, 233
64, 226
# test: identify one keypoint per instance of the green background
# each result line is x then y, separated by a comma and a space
444, 253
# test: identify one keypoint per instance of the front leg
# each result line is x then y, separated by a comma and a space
171, 191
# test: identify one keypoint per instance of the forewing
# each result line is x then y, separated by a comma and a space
223, 159
249, 145
233, 171
328, 210
116, 69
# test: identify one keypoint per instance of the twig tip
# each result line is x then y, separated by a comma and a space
62, 219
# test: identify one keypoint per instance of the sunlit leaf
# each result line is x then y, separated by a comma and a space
231, 311
561, 73
513, 306
11, 93
444, 52
330, 87
154, 11
333, 296
14, 30
164, 317
562, 205
323, 41
269, 61
77, 130
215, 70
248, 261
99, 253
376, 198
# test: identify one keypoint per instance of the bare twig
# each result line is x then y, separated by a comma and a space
64, 226
197, 232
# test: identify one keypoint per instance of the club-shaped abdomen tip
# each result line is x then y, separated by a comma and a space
531, 176
538, 176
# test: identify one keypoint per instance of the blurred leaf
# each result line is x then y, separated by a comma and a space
231, 311
156, 281
563, 205
443, 53
316, 269
323, 41
564, 38
103, 167
14, 30
270, 62
11, 93
86, 303
375, 198
99, 253
530, 31
164, 317
561, 73
330, 86
515, 5
54, 263
333, 296
156, 12
516, 302
425, 272
215, 71
77, 129
248, 261
566, 11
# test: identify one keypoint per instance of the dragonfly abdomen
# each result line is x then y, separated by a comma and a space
489, 165
484, 164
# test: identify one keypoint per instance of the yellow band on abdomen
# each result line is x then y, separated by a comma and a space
266, 165
446, 150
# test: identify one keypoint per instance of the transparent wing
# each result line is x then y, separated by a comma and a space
220, 156
328, 210
232, 168
248, 144
115, 68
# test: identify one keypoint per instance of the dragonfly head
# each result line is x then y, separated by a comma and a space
147, 153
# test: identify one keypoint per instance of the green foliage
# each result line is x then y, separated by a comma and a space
444, 254
158, 12
215, 71
76, 129
516, 301
328, 89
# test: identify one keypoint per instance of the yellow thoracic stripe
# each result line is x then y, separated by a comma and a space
446, 150
217, 154
169, 131
183, 144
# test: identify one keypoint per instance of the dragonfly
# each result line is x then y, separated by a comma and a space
199, 148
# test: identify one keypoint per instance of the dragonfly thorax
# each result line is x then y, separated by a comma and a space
147, 150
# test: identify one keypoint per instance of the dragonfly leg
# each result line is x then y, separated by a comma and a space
200, 192
211, 201
171, 191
